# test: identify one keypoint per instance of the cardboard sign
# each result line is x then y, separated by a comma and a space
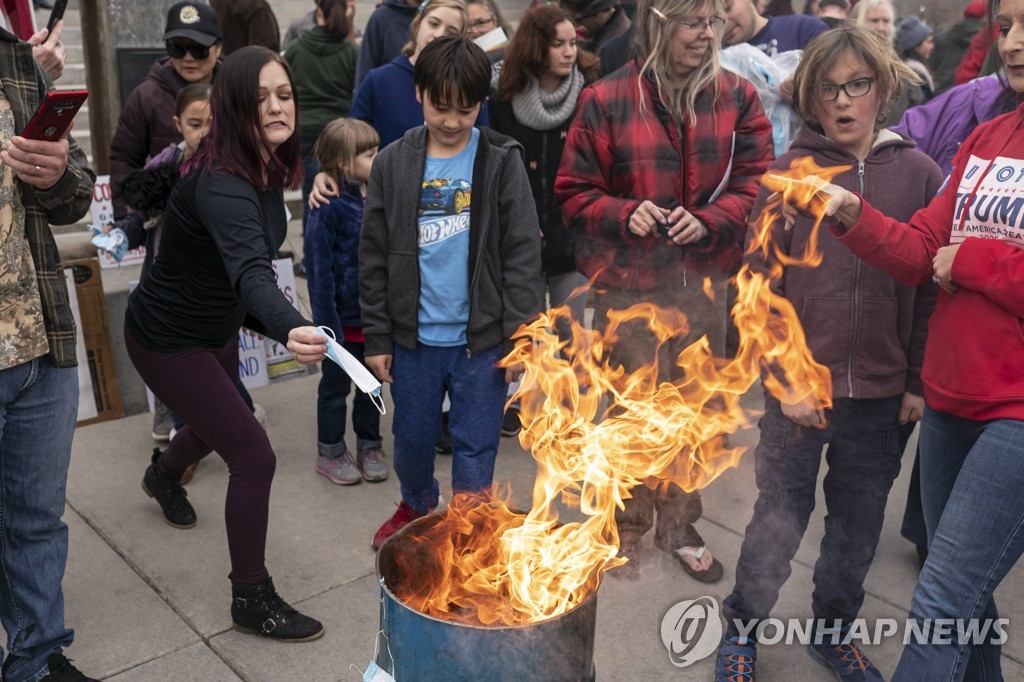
101, 212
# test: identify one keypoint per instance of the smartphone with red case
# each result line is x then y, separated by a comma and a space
54, 115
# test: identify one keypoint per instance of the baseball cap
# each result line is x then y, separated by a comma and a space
193, 20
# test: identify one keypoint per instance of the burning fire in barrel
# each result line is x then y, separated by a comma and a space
484, 592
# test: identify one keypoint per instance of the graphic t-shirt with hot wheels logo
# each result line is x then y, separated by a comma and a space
445, 198
996, 210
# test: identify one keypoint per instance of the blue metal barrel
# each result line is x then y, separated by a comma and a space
414, 647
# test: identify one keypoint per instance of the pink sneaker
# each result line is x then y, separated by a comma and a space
340, 470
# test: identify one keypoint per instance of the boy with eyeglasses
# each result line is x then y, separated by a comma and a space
145, 128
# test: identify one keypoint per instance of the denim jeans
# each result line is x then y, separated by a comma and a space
38, 409
332, 409
476, 389
972, 474
863, 459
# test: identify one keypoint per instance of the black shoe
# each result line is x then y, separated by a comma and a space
169, 494
258, 610
510, 423
443, 446
61, 670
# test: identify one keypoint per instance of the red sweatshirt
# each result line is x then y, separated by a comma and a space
974, 357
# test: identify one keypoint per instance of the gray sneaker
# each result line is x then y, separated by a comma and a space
340, 470
371, 462
162, 422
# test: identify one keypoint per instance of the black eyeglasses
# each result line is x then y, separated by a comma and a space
178, 50
482, 21
858, 87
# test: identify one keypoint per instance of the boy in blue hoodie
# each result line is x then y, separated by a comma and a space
447, 275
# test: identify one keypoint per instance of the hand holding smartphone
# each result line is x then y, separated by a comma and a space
56, 14
54, 115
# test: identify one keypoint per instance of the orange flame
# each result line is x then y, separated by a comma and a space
596, 432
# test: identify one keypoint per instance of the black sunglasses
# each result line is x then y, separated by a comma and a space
178, 50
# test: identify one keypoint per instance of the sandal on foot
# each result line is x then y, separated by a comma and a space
712, 574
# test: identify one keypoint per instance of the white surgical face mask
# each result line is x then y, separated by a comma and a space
376, 674
361, 376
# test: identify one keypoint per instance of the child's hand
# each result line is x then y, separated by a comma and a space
380, 365
811, 196
513, 372
307, 345
911, 408
324, 187
803, 411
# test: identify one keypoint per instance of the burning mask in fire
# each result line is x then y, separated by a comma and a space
596, 432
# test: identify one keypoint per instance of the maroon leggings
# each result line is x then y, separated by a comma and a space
198, 385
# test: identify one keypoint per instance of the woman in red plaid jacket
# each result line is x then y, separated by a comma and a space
660, 171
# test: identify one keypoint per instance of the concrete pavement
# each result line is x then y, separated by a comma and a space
149, 602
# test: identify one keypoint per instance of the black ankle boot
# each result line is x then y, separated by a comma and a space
258, 610
169, 494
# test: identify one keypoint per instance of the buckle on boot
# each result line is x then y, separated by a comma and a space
265, 629
241, 603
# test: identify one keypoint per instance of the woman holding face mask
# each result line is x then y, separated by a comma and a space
223, 224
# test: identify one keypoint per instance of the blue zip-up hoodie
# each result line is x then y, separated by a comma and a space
387, 101
332, 260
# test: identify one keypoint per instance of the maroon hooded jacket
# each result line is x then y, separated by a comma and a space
862, 324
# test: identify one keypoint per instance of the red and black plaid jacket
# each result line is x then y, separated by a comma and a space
615, 158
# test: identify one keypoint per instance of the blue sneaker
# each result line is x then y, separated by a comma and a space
847, 661
736, 659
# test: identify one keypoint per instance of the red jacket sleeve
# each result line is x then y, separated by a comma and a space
584, 175
752, 153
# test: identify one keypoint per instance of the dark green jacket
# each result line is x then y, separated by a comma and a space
324, 71
24, 84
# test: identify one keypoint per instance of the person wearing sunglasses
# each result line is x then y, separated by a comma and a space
192, 38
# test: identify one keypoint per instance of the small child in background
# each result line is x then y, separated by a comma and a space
345, 150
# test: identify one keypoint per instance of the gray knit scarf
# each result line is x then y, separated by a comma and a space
542, 110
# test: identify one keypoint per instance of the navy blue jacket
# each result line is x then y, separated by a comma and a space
332, 260
386, 34
386, 100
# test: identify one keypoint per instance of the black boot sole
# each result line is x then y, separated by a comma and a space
290, 640
166, 520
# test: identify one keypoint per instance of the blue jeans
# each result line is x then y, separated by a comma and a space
863, 461
476, 388
38, 409
332, 409
972, 474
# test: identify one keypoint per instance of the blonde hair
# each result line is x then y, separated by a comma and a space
655, 21
822, 53
341, 141
862, 15
426, 8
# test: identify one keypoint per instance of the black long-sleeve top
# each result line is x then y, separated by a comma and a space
213, 268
